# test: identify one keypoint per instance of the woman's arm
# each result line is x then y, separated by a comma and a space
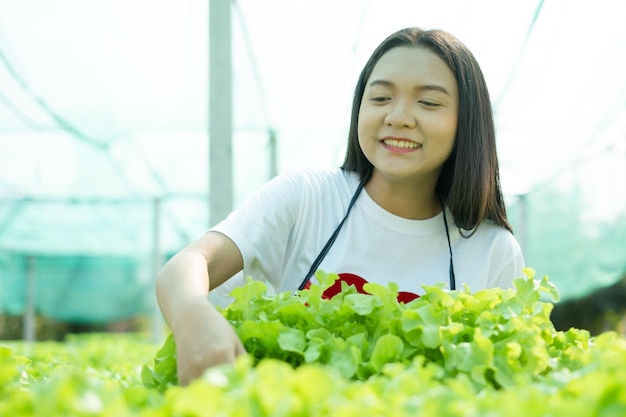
203, 337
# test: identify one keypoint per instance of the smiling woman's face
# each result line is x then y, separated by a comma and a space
408, 116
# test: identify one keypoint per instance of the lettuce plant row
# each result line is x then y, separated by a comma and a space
448, 353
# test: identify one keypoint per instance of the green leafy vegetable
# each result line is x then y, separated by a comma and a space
448, 353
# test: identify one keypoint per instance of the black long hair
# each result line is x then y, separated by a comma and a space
469, 182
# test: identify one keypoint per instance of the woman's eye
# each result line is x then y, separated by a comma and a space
428, 103
380, 99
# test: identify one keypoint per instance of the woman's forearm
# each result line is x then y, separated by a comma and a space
181, 282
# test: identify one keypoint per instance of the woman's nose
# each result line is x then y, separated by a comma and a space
400, 116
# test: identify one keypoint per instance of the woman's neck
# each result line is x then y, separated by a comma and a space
408, 199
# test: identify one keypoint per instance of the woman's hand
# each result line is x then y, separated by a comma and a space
204, 338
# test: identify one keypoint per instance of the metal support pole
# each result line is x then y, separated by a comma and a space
220, 111
28, 329
157, 261
273, 151
522, 231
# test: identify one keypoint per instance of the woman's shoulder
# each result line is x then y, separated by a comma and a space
492, 247
497, 236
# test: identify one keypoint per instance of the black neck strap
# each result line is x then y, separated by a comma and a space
330, 242
332, 239
445, 222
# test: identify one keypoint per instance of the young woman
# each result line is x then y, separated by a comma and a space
417, 201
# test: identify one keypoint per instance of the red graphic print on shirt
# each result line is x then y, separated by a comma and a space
358, 282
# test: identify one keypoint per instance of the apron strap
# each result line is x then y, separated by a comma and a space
451, 269
332, 239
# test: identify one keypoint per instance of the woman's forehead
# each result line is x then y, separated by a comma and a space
411, 64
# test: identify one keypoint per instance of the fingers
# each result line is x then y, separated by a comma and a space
205, 340
194, 360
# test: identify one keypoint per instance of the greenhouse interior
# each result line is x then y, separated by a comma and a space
114, 153
128, 128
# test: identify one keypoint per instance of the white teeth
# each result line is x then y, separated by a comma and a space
401, 143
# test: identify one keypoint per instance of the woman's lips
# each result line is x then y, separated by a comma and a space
400, 145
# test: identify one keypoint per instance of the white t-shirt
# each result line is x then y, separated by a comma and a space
283, 226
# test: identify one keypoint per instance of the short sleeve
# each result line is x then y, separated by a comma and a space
261, 227
507, 262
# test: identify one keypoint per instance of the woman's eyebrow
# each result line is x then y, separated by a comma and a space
384, 83
433, 87
427, 87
